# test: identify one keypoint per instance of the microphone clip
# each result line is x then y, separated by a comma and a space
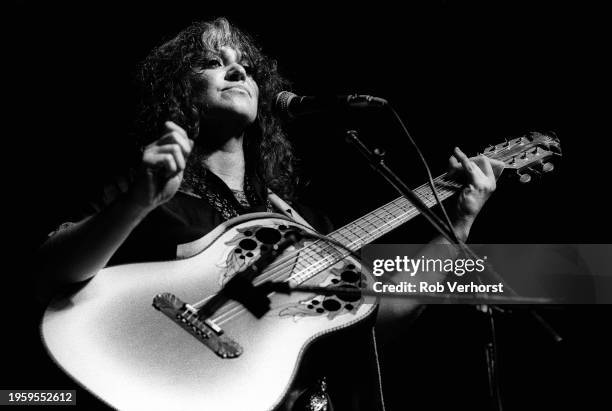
240, 287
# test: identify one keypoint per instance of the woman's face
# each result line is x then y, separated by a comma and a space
228, 91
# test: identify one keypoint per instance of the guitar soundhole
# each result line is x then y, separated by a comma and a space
331, 305
268, 235
248, 244
350, 276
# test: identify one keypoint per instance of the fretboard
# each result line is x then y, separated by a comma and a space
379, 222
370, 227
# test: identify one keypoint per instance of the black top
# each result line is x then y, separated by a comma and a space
189, 216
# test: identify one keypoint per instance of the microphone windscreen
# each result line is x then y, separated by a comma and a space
282, 102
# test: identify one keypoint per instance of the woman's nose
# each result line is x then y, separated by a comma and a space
236, 72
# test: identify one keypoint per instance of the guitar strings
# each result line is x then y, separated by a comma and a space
285, 266
315, 268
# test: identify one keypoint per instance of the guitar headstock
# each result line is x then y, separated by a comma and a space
529, 155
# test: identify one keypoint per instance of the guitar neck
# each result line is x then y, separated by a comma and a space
379, 222
525, 154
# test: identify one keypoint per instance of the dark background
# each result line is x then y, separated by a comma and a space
458, 74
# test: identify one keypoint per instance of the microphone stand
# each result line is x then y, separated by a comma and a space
375, 159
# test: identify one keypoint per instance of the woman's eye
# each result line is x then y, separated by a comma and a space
208, 63
213, 63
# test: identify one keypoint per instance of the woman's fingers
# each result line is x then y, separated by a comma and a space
176, 152
161, 162
169, 153
479, 170
176, 135
463, 159
168, 158
461, 164
485, 165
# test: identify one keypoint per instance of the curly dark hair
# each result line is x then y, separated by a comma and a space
169, 92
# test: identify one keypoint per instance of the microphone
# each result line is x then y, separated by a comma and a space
292, 106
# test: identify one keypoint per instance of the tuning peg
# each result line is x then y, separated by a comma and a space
380, 153
547, 167
524, 178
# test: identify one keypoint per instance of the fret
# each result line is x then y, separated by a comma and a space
429, 199
340, 233
346, 232
362, 233
404, 205
358, 230
367, 225
318, 251
352, 233
384, 215
407, 205
392, 210
326, 255
380, 221
368, 219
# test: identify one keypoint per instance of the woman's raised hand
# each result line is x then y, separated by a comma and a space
162, 167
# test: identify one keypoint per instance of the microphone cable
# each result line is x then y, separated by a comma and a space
448, 222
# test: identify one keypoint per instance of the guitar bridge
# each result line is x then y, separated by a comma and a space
205, 331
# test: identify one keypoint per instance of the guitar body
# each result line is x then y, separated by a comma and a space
111, 339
